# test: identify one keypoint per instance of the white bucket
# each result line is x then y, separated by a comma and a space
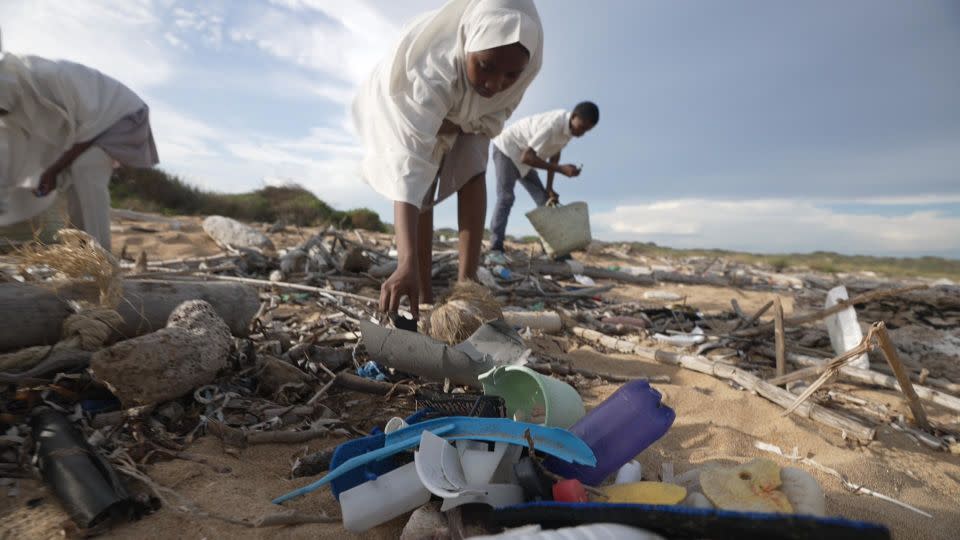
563, 228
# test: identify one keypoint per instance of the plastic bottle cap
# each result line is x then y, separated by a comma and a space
569, 491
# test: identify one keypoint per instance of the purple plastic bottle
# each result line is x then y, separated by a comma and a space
618, 429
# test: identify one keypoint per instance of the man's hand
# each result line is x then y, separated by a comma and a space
403, 282
48, 183
569, 170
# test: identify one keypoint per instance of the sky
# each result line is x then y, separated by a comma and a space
761, 125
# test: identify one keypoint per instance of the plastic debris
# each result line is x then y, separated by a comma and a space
843, 327
378, 501
695, 337
371, 370
628, 421
84, 481
569, 491
533, 397
645, 493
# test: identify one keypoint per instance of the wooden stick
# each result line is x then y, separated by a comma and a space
285, 285
780, 338
890, 353
751, 382
866, 376
942, 384
359, 384
756, 316
814, 371
824, 313
564, 270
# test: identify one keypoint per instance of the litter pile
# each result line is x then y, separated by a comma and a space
476, 421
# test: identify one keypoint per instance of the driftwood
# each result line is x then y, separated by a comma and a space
756, 316
313, 464
294, 286
34, 315
548, 322
780, 337
562, 270
687, 279
919, 377
903, 378
701, 364
239, 438
865, 376
559, 369
368, 386
824, 313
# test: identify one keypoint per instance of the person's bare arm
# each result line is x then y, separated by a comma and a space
48, 180
531, 158
551, 194
405, 279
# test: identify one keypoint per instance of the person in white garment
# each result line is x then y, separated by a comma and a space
63, 126
425, 118
529, 144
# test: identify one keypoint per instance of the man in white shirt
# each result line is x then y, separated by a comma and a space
534, 143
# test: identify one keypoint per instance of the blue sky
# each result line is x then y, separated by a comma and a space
763, 125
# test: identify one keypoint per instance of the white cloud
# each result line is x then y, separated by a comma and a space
200, 22
343, 40
119, 37
780, 225
175, 41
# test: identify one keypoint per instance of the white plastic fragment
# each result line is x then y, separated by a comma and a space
378, 501
695, 337
844, 330
629, 473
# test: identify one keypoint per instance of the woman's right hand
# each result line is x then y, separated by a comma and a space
405, 281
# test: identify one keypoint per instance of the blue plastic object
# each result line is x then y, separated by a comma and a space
352, 449
558, 443
371, 370
358, 447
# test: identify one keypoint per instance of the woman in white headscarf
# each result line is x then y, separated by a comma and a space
426, 116
62, 127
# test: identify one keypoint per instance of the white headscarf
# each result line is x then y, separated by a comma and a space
52, 105
400, 108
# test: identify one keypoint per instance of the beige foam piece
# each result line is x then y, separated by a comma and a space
751, 487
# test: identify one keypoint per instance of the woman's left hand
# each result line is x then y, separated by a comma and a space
48, 183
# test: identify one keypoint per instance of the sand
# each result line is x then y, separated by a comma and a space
715, 422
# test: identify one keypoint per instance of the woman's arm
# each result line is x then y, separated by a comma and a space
48, 180
405, 279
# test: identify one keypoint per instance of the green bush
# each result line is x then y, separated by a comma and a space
153, 190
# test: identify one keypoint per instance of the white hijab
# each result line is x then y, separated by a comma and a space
400, 108
52, 105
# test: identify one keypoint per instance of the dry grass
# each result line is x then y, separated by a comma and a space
79, 256
469, 306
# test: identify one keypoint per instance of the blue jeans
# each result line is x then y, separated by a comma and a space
507, 177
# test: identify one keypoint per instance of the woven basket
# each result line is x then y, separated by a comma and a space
563, 228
